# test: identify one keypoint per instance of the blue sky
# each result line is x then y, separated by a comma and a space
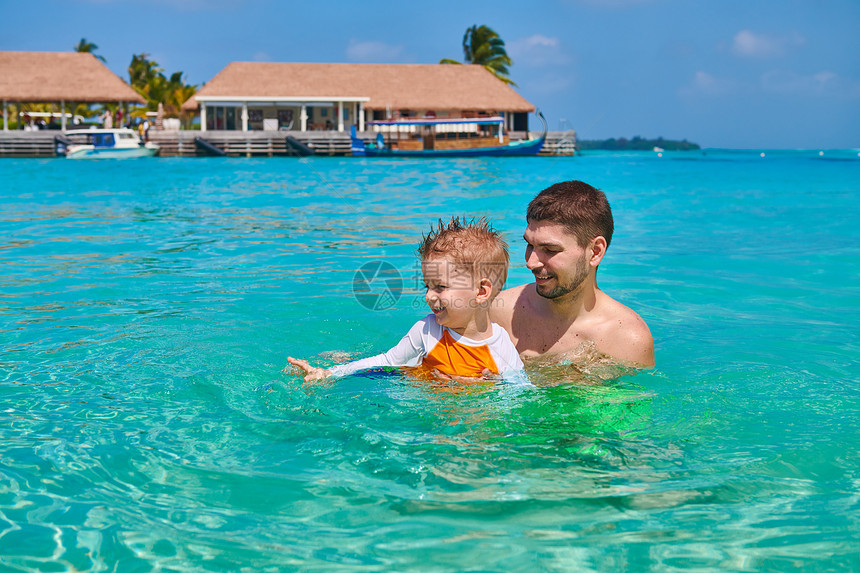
721, 73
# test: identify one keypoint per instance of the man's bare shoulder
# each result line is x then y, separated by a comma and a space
503, 306
617, 330
624, 334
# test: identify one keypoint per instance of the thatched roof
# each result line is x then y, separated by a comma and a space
395, 86
58, 76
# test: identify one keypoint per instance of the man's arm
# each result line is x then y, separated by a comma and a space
629, 341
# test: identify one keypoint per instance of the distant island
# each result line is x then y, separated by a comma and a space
635, 144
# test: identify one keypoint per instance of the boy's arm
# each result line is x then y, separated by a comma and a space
407, 353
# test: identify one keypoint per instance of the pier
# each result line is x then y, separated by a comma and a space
241, 144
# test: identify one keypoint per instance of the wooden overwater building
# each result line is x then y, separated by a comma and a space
250, 107
60, 78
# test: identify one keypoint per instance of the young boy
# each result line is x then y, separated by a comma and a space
464, 265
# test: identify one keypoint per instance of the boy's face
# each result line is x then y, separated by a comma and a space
451, 293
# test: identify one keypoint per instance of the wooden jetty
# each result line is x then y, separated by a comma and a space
241, 144
28, 143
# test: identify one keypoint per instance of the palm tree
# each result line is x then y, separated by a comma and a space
147, 78
144, 75
89, 47
484, 47
176, 94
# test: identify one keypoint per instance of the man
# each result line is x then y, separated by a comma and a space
569, 229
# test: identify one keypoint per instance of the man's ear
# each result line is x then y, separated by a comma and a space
485, 289
596, 250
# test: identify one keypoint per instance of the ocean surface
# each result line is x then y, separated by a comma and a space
147, 308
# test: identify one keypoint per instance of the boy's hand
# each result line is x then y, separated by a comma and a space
312, 373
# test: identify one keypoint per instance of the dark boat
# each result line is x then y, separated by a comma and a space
445, 137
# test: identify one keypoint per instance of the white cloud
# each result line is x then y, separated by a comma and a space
540, 40
818, 84
774, 83
704, 81
706, 84
537, 51
748, 44
372, 51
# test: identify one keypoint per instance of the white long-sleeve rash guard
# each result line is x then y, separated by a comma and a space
438, 347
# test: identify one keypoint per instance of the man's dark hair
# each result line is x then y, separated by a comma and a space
582, 210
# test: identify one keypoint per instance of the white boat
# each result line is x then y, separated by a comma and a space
119, 143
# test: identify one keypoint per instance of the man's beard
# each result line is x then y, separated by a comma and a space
575, 282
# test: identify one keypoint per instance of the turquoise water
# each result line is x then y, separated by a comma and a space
147, 308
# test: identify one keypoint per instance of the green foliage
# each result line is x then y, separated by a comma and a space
148, 79
88, 47
484, 47
636, 144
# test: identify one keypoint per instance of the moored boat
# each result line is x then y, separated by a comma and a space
444, 137
118, 143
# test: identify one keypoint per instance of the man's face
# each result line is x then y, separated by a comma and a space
559, 264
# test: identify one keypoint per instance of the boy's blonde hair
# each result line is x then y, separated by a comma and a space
471, 244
